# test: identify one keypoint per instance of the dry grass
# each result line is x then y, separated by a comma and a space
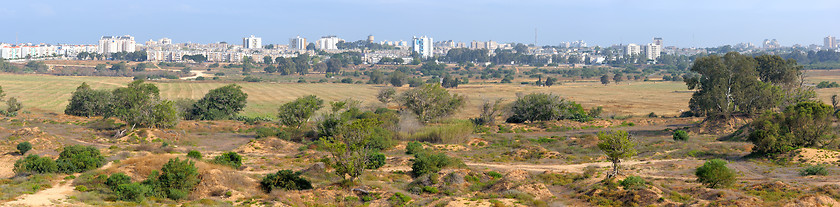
51, 93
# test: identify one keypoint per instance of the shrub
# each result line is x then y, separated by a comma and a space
194, 154
814, 170
176, 178
117, 179
398, 199
229, 158
430, 189
131, 192
715, 174
24, 147
806, 124
431, 163
375, 161
267, 132
35, 164
495, 174
633, 182
545, 107
78, 158
284, 179
680, 135
413, 148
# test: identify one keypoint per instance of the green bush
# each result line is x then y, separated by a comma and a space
131, 192
495, 174
633, 182
680, 135
176, 178
430, 189
78, 158
284, 179
806, 124
230, 159
375, 161
545, 107
267, 132
413, 148
24, 147
35, 164
398, 199
117, 179
194, 154
814, 170
431, 163
715, 174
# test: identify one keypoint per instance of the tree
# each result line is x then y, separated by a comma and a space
618, 78
284, 179
806, 124
267, 60
715, 174
139, 67
139, 105
738, 83
24, 147
220, 103
78, 158
88, 102
351, 146
386, 95
605, 79
199, 58
298, 112
430, 102
489, 111
397, 79
13, 106
100, 67
376, 77
616, 145
549, 81
449, 82
177, 178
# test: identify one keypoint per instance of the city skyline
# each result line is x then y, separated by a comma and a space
601, 22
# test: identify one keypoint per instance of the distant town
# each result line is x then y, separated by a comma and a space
392, 51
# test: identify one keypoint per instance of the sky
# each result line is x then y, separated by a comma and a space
682, 23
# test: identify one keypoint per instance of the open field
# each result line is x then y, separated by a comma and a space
51, 93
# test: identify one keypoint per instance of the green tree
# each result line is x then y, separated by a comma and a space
715, 174
616, 145
13, 106
24, 147
549, 81
806, 124
386, 95
88, 102
139, 105
430, 102
351, 146
298, 112
177, 178
605, 79
220, 103
397, 79
618, 77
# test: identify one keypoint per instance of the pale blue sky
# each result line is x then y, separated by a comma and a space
700, 23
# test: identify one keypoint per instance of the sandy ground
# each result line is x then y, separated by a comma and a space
55, 196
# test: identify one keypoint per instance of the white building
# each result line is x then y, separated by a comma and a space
112, 44
297, 43
252, 42
652, 51
658, 41
830, 42
632, 49
423, 46
328, 43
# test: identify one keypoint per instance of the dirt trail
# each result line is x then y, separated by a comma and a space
54, 196
572, 168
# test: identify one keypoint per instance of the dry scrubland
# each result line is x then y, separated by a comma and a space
554, 163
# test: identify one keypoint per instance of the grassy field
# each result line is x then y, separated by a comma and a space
50, 93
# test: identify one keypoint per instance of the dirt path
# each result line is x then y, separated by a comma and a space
573, 168
54, 196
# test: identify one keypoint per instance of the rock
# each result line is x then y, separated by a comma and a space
455, 178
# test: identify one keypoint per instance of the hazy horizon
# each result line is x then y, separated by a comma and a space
599, 22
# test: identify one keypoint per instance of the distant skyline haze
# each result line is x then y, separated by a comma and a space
597, 22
